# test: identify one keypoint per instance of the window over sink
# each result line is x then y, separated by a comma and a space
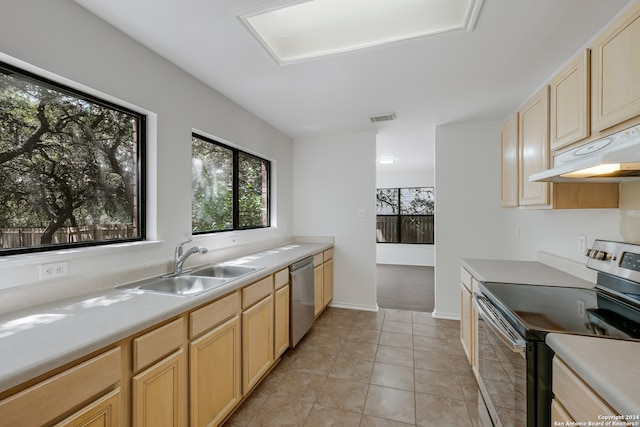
231, 187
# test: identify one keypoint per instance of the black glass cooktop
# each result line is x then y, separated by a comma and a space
537, 310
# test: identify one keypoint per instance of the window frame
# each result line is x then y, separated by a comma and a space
399, 217
141, 160
235, 187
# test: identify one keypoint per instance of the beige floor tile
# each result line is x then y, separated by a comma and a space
359, 350
282, 411
395, 339
394, 326
248, 410
331, 330
433, 361
352, 369
398, 316
301, 385
434, 331
322, 416
395, 355
369, 421
423, 318
441, 411
372, 323
393, 376
437, 345
364, 335
391, 404
312, 362
343, 394
443, 384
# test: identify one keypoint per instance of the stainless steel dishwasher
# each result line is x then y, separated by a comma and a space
302, 299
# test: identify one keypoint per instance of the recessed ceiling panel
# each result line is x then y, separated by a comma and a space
324, 27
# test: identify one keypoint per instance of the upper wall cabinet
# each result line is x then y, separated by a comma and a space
616, 71
533, 154
509, 162
570, 103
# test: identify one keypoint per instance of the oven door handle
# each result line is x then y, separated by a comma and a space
499, 326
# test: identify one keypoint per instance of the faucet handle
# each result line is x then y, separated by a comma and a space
179, 248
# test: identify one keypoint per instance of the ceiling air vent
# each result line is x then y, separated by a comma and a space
382, 117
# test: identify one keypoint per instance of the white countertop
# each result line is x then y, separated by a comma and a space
37, 340
522, 272
609, 366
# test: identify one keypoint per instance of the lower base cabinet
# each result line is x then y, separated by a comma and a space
257, 342
159, 394
104, 412
215, 374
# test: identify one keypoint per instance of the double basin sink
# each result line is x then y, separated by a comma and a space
194, 282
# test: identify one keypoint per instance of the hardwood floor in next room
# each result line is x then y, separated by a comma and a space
368, 369
405, 287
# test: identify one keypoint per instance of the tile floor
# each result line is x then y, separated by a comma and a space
358, 368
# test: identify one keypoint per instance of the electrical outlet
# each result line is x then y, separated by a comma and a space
53, 270
582, 243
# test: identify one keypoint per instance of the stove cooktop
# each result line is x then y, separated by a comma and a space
537, 310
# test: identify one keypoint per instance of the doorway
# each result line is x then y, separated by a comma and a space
405, 287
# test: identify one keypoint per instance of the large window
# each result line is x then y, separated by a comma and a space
405, 215
71, 167
230, 188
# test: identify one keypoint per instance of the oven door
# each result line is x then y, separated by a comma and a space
502, 368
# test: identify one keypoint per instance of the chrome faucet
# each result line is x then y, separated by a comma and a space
180, 258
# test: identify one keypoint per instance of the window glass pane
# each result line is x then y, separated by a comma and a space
212, 183
416, 229
417, 201
253, 190
387, 229
69, 167
387, 202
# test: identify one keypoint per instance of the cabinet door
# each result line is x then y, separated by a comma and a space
215, 373
570, 103
159, 393
509, 162
615, 68
465, 321
533, 139
327, 282
257, 342
104, 412
318, 291
281, 320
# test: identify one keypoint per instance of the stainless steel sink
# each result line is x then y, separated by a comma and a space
183, 285
224, 271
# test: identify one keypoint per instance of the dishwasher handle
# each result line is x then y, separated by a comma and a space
498, 325
300, 264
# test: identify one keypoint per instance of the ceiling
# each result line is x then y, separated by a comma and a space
459, 76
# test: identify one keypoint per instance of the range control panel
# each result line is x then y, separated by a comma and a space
616, 258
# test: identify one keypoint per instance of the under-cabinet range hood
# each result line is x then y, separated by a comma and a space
610, 159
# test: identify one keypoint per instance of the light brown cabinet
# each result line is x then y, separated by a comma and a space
323, 280
257, 342
281, 312
570, 102
615, 71
91, 385
574, 399
533, 148
215, 360
104, 412
509, 162
468, 318
159, 393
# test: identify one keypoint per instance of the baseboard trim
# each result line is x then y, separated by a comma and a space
354, 306
447, 316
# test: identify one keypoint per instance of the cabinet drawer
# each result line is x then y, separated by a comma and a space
318, 259
48, 400
281, 278
158, 343
254, 293
328, 254
576, 397
215, 313
465, 279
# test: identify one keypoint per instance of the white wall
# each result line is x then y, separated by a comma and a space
471, 224
333, 183
63, 38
